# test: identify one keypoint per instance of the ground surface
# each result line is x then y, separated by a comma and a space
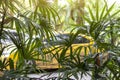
46, 76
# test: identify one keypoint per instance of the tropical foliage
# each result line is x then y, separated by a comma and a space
102, 24
25, 27
27, 23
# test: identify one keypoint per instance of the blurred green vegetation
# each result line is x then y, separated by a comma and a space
36, 20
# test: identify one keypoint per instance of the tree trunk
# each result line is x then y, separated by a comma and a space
81, 4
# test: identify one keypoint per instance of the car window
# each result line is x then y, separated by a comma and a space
80, 39
59, 39
77, 40
62, 37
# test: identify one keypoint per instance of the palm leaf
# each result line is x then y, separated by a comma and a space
91, 14
97, 10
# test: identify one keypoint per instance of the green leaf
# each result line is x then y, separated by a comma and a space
11, 64
91, 13
108, 11
102, 12
97, 10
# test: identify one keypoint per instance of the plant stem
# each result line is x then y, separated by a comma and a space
2, 24
1, 28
